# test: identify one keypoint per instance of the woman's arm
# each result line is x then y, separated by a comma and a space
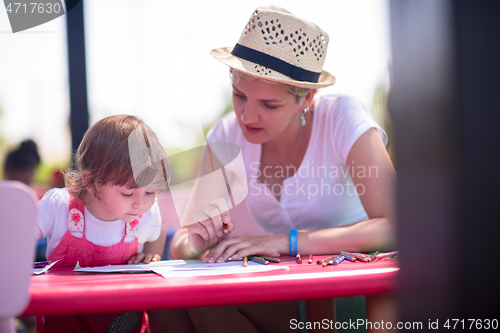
203, 225
376, 192
373, 234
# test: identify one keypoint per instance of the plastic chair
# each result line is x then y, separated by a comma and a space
18, 212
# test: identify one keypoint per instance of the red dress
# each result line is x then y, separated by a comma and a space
71, 250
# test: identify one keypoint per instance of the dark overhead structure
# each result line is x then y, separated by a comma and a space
444, 104
79, 112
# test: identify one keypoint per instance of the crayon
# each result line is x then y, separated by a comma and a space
245, 261
359, 256
338, 260
270, 259
310, 261
349, 257
298, 259
387, 254
329, 261
259, 260
319, 262
373, 256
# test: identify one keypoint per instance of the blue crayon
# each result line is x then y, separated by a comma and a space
338, 260
259, 260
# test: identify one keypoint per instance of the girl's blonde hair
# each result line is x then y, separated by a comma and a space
298, 92
104, 153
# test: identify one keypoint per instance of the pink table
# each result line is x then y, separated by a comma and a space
65, 292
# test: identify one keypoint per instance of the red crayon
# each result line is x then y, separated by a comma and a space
298, 259
310, 261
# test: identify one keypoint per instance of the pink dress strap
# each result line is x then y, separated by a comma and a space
76, 216
132, 227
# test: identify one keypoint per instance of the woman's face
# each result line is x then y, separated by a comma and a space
264, 110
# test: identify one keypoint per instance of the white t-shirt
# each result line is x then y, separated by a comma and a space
321, 194
53, 218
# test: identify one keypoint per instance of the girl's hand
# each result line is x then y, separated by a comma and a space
208, 224
239, 247
143, 257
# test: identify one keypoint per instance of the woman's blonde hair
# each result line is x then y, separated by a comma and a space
298, 92
104, 153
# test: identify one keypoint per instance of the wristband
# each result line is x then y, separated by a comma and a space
293, 242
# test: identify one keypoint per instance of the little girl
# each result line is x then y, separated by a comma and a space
108, 214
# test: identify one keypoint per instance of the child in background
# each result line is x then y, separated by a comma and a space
108, 214
21, 163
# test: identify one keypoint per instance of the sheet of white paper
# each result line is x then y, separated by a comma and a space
37, 271
217, 269
134, 268
181, 268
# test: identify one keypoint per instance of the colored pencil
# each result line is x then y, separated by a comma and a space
319, 262
259, 260
270, 259
387, 254
349, 257
373, 256
359, 256
338, 260
298, 259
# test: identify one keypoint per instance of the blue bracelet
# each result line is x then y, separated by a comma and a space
293, 242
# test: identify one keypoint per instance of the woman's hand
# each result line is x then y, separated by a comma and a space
144, 257
208, 225
239, 247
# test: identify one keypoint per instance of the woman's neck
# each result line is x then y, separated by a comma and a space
290, 147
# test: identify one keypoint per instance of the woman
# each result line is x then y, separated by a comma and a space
319, 178
314, 163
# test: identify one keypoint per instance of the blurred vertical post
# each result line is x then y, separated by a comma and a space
75, 32
444, 108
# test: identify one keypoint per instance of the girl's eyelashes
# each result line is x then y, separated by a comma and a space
130, 194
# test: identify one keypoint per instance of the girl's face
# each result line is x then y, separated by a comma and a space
121, 202
264, 110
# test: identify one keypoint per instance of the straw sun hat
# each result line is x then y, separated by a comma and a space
279, 46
